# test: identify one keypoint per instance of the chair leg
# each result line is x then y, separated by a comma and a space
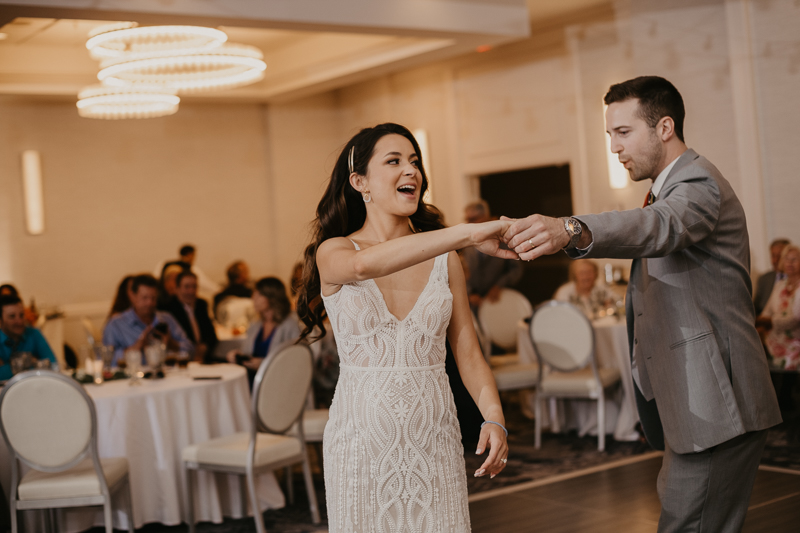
537, 442
53, 520
107, 517
244, 497
555, 425
12, 510
47, 520
257, 516
312, 494
188, 501
129, 505
601, 422
289, 485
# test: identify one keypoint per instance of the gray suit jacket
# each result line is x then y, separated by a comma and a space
702, 373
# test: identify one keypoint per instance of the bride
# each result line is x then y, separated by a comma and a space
382, 267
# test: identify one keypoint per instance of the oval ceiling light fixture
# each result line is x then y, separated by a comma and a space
121, 40
141, 101
225, 67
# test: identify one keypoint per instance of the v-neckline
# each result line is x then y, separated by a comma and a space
416, 303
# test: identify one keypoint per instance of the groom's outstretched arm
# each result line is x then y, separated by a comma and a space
538, 235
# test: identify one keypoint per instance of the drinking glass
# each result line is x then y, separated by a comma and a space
20, 362
152, 355
133, 363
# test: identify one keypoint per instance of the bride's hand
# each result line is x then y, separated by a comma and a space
493, 436
487, 237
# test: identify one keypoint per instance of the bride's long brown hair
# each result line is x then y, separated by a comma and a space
342, 212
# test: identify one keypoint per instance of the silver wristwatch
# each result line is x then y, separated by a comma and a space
574, 230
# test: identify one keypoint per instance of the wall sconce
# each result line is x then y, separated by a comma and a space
421, 136
617, 173
32, 191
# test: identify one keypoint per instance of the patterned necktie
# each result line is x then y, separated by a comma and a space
649, 199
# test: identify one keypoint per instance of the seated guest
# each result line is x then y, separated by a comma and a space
582, 290
31, 314
238, 283
122, 301
187, 255
191, 313
142, 325
277, 324
16, 338
167, 285
766, 281
781, 316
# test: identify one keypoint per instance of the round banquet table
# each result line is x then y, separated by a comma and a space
150, 424
611, 350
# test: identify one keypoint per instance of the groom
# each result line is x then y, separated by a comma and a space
702, 385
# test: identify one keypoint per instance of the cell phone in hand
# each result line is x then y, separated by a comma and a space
160, 329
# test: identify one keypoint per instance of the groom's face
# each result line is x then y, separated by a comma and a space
638, 146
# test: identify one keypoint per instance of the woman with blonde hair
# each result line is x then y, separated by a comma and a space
382, 266
781, 317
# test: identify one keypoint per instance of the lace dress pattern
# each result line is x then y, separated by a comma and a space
392, 450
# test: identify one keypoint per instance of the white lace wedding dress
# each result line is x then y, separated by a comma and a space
393, 457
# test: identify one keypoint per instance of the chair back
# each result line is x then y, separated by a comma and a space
499, 319
236, 312
562, 336
47, 420
281, 387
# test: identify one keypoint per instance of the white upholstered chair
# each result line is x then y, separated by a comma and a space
498, 322
563, 339
50, 425
279, 397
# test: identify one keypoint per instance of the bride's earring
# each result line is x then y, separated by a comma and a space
366, 196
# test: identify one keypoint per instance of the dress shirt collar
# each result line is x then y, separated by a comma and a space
659, 182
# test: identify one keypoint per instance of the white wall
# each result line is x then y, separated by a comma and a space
122, 195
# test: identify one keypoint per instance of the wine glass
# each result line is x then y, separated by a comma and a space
133, 363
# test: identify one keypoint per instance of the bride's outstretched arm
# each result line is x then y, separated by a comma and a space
340, 263
475, 372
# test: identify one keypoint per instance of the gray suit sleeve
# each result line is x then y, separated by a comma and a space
687, 214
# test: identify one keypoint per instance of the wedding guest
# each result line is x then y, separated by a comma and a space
238, 283
122, 301
17, 338
141, 325
31, 314
191, 313
187, 256
582, 289
277, 324
488, 274
781, 316
167, 285
767, 280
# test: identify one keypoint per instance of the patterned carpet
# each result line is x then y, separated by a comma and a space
559, 454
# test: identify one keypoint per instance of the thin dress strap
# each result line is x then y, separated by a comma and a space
354, 243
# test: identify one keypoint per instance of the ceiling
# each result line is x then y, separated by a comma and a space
45, 55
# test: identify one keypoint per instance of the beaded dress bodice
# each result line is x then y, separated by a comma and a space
392, 447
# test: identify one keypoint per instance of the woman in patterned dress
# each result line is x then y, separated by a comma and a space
781, 316
382, 267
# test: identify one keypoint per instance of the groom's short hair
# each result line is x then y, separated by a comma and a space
657, 97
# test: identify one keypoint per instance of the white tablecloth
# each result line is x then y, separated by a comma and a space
611, 348
150, 424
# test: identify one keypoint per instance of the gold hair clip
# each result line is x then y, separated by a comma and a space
350, 164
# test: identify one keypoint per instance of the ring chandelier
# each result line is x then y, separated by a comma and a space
142, 68
143, 101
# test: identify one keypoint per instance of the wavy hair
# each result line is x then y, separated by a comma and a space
341, 212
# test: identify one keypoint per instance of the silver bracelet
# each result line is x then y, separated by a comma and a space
496, 424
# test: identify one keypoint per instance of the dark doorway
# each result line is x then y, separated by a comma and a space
519, 193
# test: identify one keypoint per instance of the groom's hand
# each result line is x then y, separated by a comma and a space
535, 236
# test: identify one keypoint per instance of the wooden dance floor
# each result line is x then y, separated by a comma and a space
620, 499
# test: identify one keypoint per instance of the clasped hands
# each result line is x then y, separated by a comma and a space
524, 238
